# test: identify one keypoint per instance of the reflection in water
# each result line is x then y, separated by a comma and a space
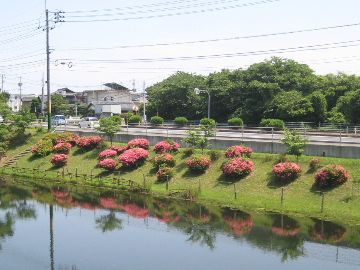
274, 233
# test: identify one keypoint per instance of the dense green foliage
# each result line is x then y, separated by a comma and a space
110, 125
294, 142
181, 121
235, 122
157, 120
274, 123
275, 88
134, 119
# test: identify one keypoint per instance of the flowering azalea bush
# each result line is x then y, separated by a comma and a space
330, 176
42, 148
133, 157
238, 167
238, 151
164, 174
139, 143
108, 164
166, 146
107, 154
198, 163
67, 138
120, 149
165, 159
59, 160
286, 171
62, 148
89, 142
314, 164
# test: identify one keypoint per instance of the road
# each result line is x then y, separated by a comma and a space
228, 134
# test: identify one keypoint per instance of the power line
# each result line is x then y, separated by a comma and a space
324, 46
216, 39
174, 14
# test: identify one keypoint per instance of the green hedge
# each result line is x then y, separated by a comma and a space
181, 121
275, 123
235, 122
135, 119
157, 120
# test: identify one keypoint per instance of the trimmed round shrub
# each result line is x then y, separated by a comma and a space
157, 120
238, 167
108, 164
214, 154
43, 148
331, 176
198, 163
286, 171
208, 122
275, 123
165, 159
235, 122
133, 157
134, 119
164, 174
181, 121
238, 151
139, 143
107, 154
120, 149
62, 148
59, 160
89, 142
68, 138
166, 146
314, 164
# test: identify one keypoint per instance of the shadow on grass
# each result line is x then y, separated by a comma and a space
34, 157
274, 182
319, 190
92, 154
19, 141
180, 167
191, 174
105, 174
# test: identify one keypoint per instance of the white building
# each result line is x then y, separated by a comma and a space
15, 104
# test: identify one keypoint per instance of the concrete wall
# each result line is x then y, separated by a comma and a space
312, 149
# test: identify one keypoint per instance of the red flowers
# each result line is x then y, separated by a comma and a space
139, 143
59, 160
62, 148
238, 151
240, 226
198, 163
107, 154
286, 171
119, 149
165, 146
89, 142
133, 157
238, 167
165, 159
108, 164
331, 176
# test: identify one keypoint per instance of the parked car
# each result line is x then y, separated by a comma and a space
89, 122
58, 120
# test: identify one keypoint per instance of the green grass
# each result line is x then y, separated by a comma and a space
257, 191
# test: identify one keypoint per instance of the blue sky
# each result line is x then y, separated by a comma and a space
23, 46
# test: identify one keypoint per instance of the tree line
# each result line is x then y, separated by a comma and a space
276, 88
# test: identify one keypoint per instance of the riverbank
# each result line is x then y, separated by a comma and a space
258, 191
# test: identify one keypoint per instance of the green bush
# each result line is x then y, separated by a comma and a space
275, 123
135, 119
181, 121
157, 120
188, 152
235, 122
43, 148
214, 154
208, 122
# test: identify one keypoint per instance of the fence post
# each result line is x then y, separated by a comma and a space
272, 140
91, 174
144, 180
235, 192
322, 201
282, 196
76, 173
63, 172
199, 186
167, 132
242, 134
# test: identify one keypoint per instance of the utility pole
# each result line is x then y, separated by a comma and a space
2, 82
20, 85
144, 103
48, 69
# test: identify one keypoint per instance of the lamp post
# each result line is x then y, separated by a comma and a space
198, 91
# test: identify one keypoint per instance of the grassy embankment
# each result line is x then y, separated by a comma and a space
257, 191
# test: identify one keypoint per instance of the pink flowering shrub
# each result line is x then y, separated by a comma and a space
286, 171
139, 143
42, 148
133, 157
165, 159
237, 167
89, 142
67, 138
164, 174
120, 149
330, 176
62, 148
59, 160
166, 146
198, 163
238, 151
107, 154
108, 164
314, 164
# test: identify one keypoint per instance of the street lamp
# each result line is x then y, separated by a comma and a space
198, 91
